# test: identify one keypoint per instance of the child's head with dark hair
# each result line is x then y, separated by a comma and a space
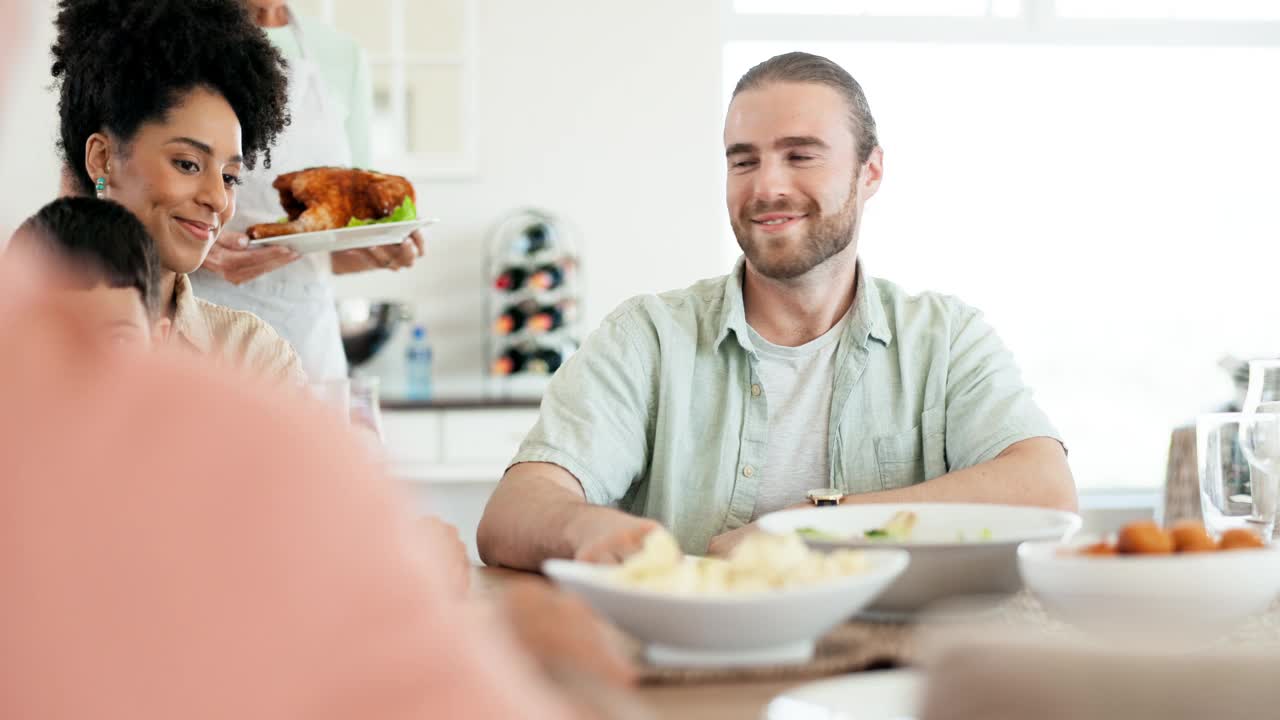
109, 259
167, 102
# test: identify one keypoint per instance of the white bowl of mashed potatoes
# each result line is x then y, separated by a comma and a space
768, 603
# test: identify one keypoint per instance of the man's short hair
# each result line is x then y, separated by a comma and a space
102, 243
800, 67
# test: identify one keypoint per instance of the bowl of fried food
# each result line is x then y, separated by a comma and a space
766, 604
1154, 581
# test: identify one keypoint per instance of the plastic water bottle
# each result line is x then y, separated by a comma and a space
417, 365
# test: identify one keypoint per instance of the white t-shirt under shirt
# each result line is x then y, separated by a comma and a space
796, 383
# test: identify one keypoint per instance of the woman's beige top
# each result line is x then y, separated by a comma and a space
238, 338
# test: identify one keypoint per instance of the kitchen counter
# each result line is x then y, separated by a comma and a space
467, 393
459, 403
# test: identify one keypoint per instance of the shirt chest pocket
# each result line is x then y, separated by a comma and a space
916, 455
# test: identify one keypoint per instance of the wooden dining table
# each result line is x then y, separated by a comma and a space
693, 701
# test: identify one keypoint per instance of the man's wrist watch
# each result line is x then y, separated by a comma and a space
824, 497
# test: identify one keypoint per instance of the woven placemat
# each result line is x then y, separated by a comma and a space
857, 645
874, 645
854, 646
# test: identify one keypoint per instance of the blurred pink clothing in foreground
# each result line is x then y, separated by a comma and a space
177, 542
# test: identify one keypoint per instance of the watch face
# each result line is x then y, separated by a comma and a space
825, 496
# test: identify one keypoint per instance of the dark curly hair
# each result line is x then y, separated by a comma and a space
119, 64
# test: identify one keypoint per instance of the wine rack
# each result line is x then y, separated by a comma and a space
533, 301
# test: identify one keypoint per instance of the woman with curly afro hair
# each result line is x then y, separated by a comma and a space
163, 104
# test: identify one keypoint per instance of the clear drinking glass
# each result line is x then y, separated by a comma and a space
334, 392
1260, 442
366, 408
1264, 384
1226, 492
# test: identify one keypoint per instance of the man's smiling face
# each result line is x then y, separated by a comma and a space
793, 194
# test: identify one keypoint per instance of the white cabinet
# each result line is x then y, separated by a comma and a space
451, 459
411, 437
454, 445
471, 436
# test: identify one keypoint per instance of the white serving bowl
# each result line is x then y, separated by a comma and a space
757, 628
1154, 595
942, 564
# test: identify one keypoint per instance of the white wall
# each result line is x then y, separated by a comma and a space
28, 126
608, 114
605, 113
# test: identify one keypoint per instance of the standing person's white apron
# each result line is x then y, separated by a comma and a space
297, 299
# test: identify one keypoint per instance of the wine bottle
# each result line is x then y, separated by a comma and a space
538, 361
533, 240
547, 277
543, 361
511, 320
547, 319
511, 279
551, 317
511, 361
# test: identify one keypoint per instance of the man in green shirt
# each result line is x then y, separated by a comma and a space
703, 408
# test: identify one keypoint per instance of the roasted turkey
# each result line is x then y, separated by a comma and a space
327, 198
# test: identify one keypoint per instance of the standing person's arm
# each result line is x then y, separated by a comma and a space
590, 445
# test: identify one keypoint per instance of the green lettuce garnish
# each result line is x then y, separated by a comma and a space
809, 533
406, 211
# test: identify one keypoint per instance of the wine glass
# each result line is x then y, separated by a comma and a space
355, 401
1259, 438
1264, 384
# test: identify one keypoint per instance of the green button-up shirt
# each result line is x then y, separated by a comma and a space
662, 413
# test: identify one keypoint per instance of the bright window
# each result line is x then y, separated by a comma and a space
1110, 207
422, 61
883, 8
1171, 9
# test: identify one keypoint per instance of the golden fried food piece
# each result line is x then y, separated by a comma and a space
327, 198
1240, 539
1099, 548
1190, 536
1145, 538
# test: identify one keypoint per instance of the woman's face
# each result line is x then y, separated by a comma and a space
179, 176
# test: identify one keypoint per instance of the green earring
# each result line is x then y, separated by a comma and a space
100, 188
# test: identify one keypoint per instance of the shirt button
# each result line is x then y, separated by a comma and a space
755, 390
748, 471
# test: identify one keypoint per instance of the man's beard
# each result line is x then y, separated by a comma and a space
827, 236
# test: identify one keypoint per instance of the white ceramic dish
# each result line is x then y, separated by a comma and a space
942, 566
347, 238
761, 628
880, 695
1135, 594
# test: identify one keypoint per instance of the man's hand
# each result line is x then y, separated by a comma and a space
443, 542
563, 632
236, 262
724, 543
609, 538
381, 257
